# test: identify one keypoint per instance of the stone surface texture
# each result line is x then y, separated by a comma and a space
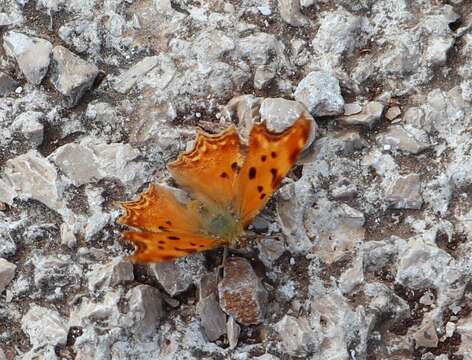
363, 253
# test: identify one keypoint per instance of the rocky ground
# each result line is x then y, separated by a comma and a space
364, 252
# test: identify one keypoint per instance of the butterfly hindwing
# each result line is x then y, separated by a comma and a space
210, 169
269, 159
165, 246
157, 209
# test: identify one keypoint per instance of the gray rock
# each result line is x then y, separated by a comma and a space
296, 335
7, 84
405, 139
177, 276
7, 19
241, 292
213, 319
28, 123
292, 204
405, 193
33, 177
337, 229
246, 109
270, 250
290, 12
7, 273
320, 92
385, 304
31, 53
434, 269
379, 254
464, 329
263, 76
89, 162
7, 192
352, 277
114, 273
77, 162
352, 109
426, 335
233, 330
339, 33
2, 355
126, 80
393, 112
44, 326
259, 48
370, 114
71, 75
343, 189
145, 308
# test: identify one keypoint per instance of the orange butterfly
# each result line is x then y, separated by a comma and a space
229, 183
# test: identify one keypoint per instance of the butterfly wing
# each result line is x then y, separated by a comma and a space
270, 157
157, 210
165, 246
210, 169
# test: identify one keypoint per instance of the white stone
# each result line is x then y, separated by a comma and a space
31, 53
145, 308
7, 273
320, 92
127, 79
28, 123
33, 177
290, 12
71, 75
116, 272
44, 326
297, 338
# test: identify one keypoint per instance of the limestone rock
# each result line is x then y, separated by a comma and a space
44, 326
290, 12
116, 272
29, 124
213, 319
368, 117
33, 177
405, 193
31, 53
404, 139
71, 75
241, 293
320, 92
128, 79
233, 330
145, 308
7, 273
297, 337
177, 276
7, 84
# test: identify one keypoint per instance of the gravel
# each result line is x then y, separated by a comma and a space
363, 253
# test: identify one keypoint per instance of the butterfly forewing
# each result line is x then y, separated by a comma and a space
210, 169
157, 210
269, 159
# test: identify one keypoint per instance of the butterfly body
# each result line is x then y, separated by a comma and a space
229, 184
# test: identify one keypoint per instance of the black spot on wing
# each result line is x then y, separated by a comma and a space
252, 173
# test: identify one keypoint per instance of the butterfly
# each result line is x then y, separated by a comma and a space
229, 184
